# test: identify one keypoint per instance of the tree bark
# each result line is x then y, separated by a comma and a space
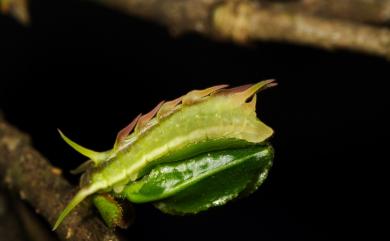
244, 21
357, 25
368, 11
24, 171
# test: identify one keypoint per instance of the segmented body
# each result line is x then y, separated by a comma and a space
205, 120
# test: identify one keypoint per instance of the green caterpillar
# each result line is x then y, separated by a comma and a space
186, 155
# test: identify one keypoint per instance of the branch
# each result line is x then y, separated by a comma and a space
369, 11
330, 24
24, 171
16, 8
244, 21
247, 21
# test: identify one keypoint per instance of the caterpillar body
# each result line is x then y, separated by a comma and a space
202, 122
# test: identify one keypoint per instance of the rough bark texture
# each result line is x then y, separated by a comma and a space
24, 171
327, 24
248, 21
243, 21
178, 15
370, 11
16, 8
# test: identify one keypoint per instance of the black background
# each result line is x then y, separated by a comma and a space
88, 71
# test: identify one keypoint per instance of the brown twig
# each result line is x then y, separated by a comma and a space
330, 24
369, 11
319, 23
243, 21
24, 171
16, 8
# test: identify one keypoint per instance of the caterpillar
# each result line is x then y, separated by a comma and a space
215, 127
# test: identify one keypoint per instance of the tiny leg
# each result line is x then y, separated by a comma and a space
113, 213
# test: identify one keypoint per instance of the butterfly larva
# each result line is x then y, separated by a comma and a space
212, 123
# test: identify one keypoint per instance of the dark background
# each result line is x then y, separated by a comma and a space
88, 71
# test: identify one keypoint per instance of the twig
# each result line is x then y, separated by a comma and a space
16, 8
243, 21
247, 21
330, 24
369, 11
179, 16
25, 171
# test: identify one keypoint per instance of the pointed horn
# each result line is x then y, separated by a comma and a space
96, 157
196, 95
143, 120
168, 107
80, 196
122, 134
234, 89
248, 92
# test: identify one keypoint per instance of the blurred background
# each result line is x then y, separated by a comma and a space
89, 71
